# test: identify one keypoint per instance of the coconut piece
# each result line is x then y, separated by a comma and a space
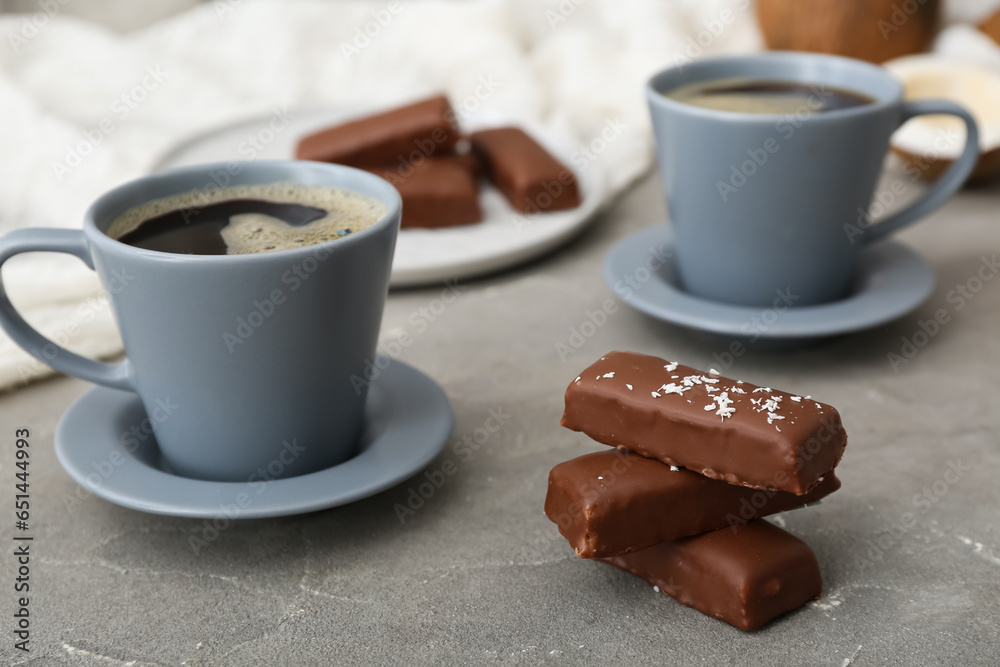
873, 30
991, 26
930, 144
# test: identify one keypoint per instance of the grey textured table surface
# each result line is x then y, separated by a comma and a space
910, 555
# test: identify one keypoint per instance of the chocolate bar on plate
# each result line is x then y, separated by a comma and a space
721, 428
437, 192
610, 503
528, 176
744, 576
408, 134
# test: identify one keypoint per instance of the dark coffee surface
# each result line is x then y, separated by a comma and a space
194, 231
767, 96
246, 219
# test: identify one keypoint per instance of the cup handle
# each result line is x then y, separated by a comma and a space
950, 181
71, 242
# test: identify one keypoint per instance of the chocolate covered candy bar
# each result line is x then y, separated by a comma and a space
744, 576
468, 161
528, 176
438, 192
721, 428
406, 135
612, 502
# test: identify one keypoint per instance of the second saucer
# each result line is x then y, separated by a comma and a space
891, 281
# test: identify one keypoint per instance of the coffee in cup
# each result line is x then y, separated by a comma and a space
246, 219
766, 96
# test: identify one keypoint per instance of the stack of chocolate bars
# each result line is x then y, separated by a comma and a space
417, 148
702, 459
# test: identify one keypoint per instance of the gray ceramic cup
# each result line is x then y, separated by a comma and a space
250, 367
767, 205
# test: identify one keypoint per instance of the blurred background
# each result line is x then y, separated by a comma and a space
125, 15
120, 15
97, 92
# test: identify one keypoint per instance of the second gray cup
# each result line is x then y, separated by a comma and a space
765, 204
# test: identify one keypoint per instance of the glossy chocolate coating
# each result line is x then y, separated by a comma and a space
531, 179
721, 428
744, 576
439, 192
407, 134
611, 503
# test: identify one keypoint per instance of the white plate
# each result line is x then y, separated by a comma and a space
503, 238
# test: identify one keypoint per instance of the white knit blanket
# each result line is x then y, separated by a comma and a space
85, 109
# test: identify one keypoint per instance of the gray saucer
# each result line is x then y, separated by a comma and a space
891, 281
409, 419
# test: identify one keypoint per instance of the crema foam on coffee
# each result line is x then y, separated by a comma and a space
246, 219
